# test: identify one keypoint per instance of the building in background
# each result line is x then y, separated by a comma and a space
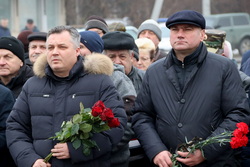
45, 13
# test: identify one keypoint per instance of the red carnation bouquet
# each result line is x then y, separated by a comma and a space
237, 139
82, 126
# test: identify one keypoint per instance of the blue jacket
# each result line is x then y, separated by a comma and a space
212, 100
46, 101
4, 32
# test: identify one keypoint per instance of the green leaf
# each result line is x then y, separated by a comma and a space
68, 124
77, 118
66, 134
86, 151
88, 110
84, 136
63, 124
101, 128
86, 128
76, 143
81, 107
75, 129
90, 143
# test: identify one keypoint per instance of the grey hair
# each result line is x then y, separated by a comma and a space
75, 36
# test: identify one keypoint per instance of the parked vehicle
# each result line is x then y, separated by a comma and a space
165, 39
237, 27
132, 31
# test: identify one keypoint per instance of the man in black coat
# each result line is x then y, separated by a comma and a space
190, 93
62, 81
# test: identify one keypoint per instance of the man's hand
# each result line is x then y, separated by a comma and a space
40, 163
61, 151
190, 159
163, 159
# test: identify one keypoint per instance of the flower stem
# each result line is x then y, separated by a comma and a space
46, 159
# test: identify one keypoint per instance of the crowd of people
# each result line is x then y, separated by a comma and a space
162, 99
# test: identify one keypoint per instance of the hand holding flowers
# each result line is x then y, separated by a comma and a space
82, 126
237, 139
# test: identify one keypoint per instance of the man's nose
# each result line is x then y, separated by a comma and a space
117, 60
2, 61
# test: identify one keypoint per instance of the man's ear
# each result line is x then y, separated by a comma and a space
78, 51
203, 35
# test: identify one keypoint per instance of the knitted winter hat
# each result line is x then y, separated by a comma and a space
96, 22
14, 45
151, 25
92, 41
117, 26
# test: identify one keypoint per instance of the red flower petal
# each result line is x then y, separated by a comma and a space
243, 127
113, 123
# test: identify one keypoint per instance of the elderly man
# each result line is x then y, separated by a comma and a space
190, 93
37, 45
62, 81
151, 30
13, 71
119, 47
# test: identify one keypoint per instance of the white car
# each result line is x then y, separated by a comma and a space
165, 40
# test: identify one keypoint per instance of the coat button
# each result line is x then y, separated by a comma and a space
183, 101
179, 125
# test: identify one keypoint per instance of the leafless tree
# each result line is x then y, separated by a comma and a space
77, 11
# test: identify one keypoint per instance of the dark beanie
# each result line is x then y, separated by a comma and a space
23, 38
92, 41
14, 45
118, 40
187, 17
96, 22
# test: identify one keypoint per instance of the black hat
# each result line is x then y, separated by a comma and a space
37, 36
136, 52
14, 45
187, 17
118, 40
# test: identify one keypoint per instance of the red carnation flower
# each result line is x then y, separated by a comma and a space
243, 127
237, 142
237, 133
